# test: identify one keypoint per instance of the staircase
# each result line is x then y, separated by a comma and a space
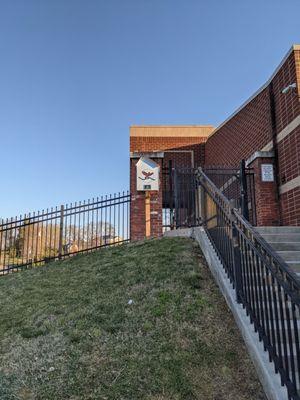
285, 240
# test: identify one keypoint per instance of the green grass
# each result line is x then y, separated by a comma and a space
68, 332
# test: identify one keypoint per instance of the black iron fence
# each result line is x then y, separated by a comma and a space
59, 232
180, 199
237, 185
264, 284
168, 204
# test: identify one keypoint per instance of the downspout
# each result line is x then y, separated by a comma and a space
275, 147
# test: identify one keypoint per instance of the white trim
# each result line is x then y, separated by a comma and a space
280, 136
267, 147
259, 154
292, 184
293, 48
288, 129
149, 154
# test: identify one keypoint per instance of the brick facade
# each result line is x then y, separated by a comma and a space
243, 134
183, 145
252, 129
266, 197
290, 204
268, 121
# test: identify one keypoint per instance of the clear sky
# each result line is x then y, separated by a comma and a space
75, 74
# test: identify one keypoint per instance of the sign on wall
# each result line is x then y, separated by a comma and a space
267, 173
147, 174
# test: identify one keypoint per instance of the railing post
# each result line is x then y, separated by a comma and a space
237, 265
61, 228
244, 194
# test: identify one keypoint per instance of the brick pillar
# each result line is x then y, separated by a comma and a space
266, 198
137, 206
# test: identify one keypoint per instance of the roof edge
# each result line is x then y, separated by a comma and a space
266, 84
172, 126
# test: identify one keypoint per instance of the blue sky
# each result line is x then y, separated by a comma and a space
75, 74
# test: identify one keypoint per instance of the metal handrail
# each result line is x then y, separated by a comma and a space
265, 285
284, 267
268, 249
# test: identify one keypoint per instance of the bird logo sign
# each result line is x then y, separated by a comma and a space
147, 176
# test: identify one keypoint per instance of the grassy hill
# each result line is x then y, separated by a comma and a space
68, 330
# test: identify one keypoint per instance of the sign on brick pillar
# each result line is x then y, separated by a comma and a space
146, 204
266, 197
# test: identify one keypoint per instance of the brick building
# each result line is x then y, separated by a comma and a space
265, 129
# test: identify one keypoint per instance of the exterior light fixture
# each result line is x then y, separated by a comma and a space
290, 87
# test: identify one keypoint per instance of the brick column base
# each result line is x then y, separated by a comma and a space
266, 198
137, 207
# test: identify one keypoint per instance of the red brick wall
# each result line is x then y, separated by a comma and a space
287, 106
290, 203
247, 131
267, 207
250, 129
167, 144
289, 156
178, 149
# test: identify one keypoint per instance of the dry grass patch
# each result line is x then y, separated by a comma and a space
68, 332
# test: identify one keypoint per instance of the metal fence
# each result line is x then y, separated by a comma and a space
180, 196
59, 232
238, 185
265, 286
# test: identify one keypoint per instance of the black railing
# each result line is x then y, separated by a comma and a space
167, 198
264, 284
59, 232
237, 185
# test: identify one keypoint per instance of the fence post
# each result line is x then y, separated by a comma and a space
176, 202
237, 266
202, 215
171, 197
244, 194
61, 228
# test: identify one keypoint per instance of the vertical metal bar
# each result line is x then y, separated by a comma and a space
61, 227
244, 196
50, 234
128, 215
123, 217
119, 196
97, 221
171, 199
237, 264
83, 227
114, 219
92, 227
101, 222
110, 206
79, 227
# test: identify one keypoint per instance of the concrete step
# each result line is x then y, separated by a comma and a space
277, 229
288, 255
281, 237
295, 265
285, 246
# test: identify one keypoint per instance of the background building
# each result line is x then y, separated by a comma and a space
264, 130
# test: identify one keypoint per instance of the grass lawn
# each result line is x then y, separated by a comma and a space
68, 332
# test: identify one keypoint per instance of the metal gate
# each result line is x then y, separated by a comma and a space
180, 195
